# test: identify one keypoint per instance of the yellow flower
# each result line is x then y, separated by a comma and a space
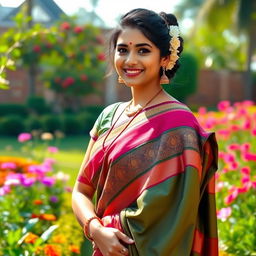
175, 43
59, 239
46, 136
30, 238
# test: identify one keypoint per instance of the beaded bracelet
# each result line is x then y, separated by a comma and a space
87, 228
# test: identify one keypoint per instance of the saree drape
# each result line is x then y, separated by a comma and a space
156, 182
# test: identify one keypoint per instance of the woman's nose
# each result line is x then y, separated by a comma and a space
131, 59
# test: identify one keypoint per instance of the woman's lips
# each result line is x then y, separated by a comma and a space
132, 72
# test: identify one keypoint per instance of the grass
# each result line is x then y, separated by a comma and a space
69, 157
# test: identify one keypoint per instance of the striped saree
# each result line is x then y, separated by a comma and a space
156, 182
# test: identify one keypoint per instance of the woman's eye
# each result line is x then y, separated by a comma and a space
121, 50
144, 50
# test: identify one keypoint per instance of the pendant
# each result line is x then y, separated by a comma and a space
132, 112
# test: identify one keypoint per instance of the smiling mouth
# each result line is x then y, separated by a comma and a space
133, 72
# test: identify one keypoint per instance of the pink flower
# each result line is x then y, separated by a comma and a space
101, 56
78, 29
254, 132
24, 137
67, 82
245, 147
223, 105
4, 190
8, 165
48, 181
229, 158
202, 111
36, 48
224, 213
249, 156
65, 26
231, 197
247, 124
52, 149
246, 170
233, 166
234, 146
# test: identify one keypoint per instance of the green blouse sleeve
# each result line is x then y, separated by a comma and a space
104, 120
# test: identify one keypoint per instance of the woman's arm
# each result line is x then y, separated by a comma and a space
106, 239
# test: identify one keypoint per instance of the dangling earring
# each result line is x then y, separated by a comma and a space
120, 80
164, 79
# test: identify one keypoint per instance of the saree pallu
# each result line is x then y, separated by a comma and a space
156, 183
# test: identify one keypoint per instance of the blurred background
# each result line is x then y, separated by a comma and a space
55, 80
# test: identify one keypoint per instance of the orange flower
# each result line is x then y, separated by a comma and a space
49, 217
38, 202
52, 250
74, 248
30, 238
59, 239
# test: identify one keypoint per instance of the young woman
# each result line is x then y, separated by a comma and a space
149, 164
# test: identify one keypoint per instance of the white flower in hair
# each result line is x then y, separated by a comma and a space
174, 31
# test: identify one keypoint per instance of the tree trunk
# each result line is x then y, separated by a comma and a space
32, 67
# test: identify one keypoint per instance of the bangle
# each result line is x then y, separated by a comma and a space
87, 228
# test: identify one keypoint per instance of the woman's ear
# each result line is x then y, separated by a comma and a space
164, 61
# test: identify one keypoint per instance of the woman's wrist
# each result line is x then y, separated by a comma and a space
94, 226
91, 225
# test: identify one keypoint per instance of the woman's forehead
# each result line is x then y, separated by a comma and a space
131, 36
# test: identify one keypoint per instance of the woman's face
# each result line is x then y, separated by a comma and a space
137, 60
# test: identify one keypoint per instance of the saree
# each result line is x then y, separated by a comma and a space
156, 182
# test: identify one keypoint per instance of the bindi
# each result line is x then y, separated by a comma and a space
130, 43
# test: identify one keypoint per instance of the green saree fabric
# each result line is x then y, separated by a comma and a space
156, 180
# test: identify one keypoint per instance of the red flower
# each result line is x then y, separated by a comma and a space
67, 82
37, 48
38, 202
52, 250
83, 77
65, 26
30, 238
101, 56
74, 249
78, 30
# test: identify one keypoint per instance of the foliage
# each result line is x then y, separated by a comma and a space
35, 226
185, 81
235, 127
70, 57
12, 125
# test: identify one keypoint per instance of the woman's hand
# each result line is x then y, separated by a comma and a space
107, 240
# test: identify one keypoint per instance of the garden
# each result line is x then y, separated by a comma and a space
35, 187
42, 143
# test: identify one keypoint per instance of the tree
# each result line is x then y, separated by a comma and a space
233, 17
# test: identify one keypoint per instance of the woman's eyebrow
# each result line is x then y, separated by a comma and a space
137, 45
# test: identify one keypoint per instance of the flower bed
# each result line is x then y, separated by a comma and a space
34, 212
235, 127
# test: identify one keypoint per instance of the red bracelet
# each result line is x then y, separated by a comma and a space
87, 224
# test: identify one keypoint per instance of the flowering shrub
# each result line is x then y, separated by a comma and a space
235, 127
33, 208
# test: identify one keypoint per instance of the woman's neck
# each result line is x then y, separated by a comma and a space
140, 96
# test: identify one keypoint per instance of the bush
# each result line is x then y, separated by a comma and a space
12, 125
86, 120
71, 124
33, 123
13, 109
185, 81
37, 104
51, 123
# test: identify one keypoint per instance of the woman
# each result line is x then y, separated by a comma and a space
149, 164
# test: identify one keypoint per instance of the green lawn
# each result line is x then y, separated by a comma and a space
69, 157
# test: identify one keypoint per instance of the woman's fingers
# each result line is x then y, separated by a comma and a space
123, 237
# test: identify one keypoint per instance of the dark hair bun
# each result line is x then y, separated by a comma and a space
170, 19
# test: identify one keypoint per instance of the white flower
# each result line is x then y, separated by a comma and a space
174, 31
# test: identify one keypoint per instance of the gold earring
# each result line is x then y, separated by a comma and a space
120, 80
164, 79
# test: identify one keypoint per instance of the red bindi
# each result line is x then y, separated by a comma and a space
130, 43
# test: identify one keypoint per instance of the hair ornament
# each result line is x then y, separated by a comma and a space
174, 33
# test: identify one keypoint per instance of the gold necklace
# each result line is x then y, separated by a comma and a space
131, 112
105, 150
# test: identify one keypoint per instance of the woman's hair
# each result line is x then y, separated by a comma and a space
153, 26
